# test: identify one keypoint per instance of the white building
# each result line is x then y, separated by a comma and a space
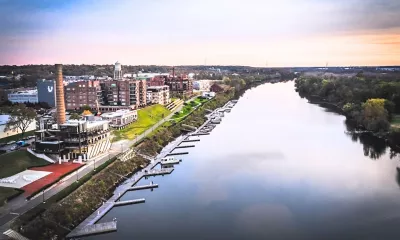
120, 118
23, 96
158, 95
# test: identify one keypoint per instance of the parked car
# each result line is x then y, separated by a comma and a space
30, 137
13, 148
3, 144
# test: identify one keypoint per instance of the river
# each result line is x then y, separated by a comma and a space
276, 167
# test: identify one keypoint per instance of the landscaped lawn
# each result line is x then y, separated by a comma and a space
18, 161
188, 108
7, 192
147, 117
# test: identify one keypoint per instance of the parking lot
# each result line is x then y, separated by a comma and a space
11, 146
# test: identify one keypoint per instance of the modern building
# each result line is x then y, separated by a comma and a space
120, 118
47, 91
124, 93
83, 93
23, 96
158, 95
74, 139
208, 94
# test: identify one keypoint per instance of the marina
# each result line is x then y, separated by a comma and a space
89, 226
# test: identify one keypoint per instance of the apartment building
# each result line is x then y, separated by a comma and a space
124, 93
83, 93
158, 95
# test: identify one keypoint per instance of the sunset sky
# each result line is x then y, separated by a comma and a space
195, 32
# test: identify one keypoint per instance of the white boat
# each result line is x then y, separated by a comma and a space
169, 160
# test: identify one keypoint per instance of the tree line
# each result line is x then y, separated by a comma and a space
369, 101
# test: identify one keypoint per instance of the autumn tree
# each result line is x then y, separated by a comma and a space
375, 116
20, 117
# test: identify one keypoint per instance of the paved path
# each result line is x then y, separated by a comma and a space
20, 205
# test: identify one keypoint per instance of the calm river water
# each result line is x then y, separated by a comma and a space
276, 167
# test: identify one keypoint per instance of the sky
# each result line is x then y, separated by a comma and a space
273, 33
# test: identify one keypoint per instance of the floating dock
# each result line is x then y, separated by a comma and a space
94, 229
155, 172
199, 134
178, 153
193, 140
128, 202
186, 146
150, 186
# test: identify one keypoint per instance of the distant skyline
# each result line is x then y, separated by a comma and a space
178, 32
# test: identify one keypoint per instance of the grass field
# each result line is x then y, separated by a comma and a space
6, 193
16, 137
18, 161
188, 108
147, 117
395, 121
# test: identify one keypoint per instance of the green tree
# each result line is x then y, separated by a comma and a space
75, 116
85, 107
375, 117
20, 117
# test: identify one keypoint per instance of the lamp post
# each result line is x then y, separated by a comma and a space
94, 165
43, 196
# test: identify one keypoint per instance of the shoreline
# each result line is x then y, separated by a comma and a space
123, 187
70, 215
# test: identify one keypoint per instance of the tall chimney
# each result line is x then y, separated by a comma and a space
60, 102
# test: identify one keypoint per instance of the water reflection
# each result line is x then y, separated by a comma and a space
271, 171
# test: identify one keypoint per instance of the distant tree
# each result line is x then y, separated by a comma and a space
20, 117
75, 116
85, 107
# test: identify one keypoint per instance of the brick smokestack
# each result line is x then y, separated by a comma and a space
60, 102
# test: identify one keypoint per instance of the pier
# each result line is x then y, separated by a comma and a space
94, 229
128, 202
193, 140
155, 172
186, 146
150, 186
179, 153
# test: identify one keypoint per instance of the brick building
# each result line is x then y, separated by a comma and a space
180, 86
78, 94
124, 93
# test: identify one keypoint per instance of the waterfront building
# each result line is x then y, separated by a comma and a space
158, 95
63, 140
23, 96
180, 86
74, 139
124, 93
120, 118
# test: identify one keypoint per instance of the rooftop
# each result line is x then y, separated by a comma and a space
117, 113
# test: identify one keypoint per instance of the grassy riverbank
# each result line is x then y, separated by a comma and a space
147, 117
50, 223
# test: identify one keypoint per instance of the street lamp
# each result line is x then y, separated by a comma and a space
43, 196
94, 165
